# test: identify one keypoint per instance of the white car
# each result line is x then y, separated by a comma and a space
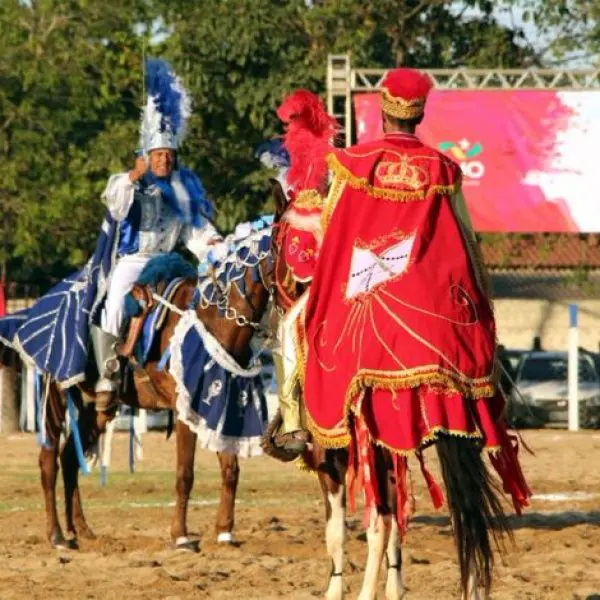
542, 393
155, 419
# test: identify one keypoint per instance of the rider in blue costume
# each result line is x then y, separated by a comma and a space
156, 204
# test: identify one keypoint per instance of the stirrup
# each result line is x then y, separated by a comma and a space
294, 441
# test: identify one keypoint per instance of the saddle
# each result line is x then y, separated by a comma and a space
141, 332
150, 317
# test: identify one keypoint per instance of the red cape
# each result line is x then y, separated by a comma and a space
395, 303
398, 328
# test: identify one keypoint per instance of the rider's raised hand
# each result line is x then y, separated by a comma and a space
139, 170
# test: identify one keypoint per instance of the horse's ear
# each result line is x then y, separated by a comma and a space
279, 196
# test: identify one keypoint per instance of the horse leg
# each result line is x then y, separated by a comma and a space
472, 591
394, 587
186, 452
377, 534
48, 461
332, 473
380, 524
89, 432
230, 473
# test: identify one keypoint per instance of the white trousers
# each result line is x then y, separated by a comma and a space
124, 275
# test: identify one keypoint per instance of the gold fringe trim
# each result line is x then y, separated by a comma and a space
335, 193
434, 377
340, 437
401, 108
431, 438
308, 200
360, 183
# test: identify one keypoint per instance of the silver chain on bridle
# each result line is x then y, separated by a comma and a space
230, 313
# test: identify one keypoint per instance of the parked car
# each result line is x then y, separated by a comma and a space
154, 419
541, 394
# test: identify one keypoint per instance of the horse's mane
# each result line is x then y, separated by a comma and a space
246, 253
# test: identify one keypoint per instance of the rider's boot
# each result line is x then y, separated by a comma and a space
292, 437
109, 369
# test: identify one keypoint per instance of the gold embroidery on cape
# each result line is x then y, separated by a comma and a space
308, 200
402, 172
437, 316
360, 183
433, 157
382, 240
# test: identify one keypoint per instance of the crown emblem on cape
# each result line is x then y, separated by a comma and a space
402, 172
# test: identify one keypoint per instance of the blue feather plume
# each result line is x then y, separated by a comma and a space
168, 106
273, 154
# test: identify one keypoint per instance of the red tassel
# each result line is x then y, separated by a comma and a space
366, 476
353, 482
435, 491
506, 464
403, 499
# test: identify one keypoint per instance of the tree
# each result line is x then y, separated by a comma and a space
570, 30
241, 57
70, 86
71, 90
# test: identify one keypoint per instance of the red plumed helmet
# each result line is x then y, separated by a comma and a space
307, 109
404, 93
308, 139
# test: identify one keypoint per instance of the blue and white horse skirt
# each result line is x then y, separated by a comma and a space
223, 403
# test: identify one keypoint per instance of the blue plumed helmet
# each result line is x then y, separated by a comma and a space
272, 154
167, 110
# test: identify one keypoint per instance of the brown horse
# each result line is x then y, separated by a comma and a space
472, 496
151, 388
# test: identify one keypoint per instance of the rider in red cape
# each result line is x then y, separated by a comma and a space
398, 329
308, 139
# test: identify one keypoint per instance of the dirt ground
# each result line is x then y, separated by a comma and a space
280, 529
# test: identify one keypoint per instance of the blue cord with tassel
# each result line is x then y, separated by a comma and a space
132, 443
73, 416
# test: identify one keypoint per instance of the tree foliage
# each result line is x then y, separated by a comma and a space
71, 88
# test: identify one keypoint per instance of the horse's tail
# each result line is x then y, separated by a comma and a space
475, 507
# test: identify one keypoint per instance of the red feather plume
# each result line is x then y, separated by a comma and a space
308, 140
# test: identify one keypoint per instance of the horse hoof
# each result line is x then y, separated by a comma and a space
60, 543
226, 538
184, 544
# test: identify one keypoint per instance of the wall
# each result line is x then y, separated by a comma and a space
519, 320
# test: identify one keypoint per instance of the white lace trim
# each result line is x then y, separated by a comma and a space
5, 342
210, 439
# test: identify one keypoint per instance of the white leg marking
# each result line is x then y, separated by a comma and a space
472, 587
335, 534
376, 537
225, 537
394, 587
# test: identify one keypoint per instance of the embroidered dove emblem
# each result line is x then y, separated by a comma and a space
368, 269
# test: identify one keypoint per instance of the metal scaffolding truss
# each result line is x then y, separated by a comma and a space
343, 81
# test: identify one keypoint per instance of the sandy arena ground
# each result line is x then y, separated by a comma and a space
280, 529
